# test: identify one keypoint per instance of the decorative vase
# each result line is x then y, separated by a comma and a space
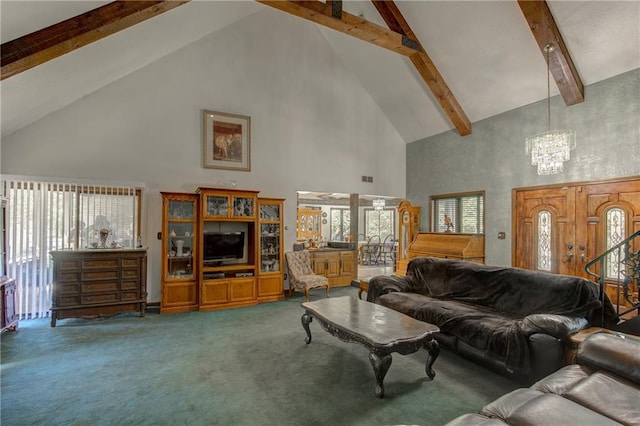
179, 247
104, 234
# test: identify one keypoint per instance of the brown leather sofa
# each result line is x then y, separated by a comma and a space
603, 388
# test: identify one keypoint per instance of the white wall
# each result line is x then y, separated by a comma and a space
313, 124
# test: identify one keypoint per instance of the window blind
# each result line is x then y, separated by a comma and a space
46, 216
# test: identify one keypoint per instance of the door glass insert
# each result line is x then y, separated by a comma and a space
544, 241
614, 235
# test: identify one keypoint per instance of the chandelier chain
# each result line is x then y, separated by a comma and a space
548, 48
550, 149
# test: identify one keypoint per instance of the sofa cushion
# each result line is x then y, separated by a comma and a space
609, 395
558, 326
475, 419
551, 409
563, 379
485, 329
507, 404
614, 352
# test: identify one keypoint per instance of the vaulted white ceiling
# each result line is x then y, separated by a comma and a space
483, 49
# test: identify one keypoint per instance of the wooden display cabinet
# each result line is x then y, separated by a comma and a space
270, 276
179, 252
208, 276
309, 224
228, 285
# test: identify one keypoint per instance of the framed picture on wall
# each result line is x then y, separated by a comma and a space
226, 141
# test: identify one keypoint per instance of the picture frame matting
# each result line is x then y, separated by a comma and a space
226, 141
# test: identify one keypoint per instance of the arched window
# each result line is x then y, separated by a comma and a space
543, 262
614, 234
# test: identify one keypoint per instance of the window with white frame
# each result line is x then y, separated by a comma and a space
379, 222
340, 224
46, 216
461, 213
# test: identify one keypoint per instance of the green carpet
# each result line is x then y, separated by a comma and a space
247, 366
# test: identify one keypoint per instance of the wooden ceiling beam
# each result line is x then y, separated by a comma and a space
399, 38
546, 32
425, 66
322, 13
49, 43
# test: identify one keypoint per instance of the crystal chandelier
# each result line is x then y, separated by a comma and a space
549, 150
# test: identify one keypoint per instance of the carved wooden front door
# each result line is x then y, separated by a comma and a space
611, 213
545, 229
561, 228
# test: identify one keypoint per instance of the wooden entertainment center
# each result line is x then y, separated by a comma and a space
222, 248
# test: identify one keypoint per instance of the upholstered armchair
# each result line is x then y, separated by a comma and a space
301, 276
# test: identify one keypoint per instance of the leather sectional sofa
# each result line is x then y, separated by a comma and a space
512, 320
603, 388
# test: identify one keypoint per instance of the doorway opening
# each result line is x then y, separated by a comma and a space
366, 224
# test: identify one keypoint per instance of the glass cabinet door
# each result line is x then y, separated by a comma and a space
270, 212
216, 206
270, 241
181, 238
243, 207
309, 224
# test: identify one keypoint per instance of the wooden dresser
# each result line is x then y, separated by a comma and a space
468, 247
96, 283
8, 314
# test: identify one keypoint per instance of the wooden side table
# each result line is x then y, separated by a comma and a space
576, 339
364, 286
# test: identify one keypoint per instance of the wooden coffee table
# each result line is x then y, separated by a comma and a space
380, 329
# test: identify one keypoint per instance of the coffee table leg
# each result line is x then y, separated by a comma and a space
434, 350
380, 366
306, 319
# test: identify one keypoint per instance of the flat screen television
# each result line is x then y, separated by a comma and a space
223, 247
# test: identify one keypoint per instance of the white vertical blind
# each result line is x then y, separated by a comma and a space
46, 216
